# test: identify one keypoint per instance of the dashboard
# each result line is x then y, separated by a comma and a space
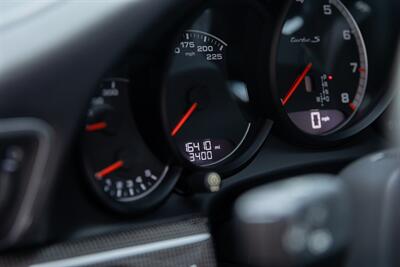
231, 75
170, 127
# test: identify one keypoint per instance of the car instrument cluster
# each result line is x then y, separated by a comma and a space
230, 76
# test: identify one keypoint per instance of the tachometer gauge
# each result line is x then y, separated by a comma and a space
321, 66
123, 171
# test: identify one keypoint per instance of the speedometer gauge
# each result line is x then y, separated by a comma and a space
321, 67
205, 109
204, 121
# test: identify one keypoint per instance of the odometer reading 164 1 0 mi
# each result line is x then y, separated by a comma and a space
206, 151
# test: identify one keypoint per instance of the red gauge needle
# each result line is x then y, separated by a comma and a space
184, 119
96, 126
296, 84
110, 169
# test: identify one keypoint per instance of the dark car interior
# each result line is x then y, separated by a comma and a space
250, 133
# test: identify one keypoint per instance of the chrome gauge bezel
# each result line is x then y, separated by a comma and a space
361, 119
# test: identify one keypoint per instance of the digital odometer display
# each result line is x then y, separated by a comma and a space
321, 66
207, 151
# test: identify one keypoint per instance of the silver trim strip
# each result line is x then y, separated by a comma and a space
126, 252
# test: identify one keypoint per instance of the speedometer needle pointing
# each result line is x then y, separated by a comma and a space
185, 117
296, 84
110, 169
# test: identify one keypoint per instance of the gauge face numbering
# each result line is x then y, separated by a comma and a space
322, 66
203, 120
194, 43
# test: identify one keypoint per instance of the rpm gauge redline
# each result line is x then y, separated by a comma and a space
322, 66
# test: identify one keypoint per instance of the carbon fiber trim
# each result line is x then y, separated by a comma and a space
185, 243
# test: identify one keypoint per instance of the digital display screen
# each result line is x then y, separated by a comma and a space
317, 121
207, 151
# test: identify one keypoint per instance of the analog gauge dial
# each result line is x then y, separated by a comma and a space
120, 167
203, 114
321, 66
